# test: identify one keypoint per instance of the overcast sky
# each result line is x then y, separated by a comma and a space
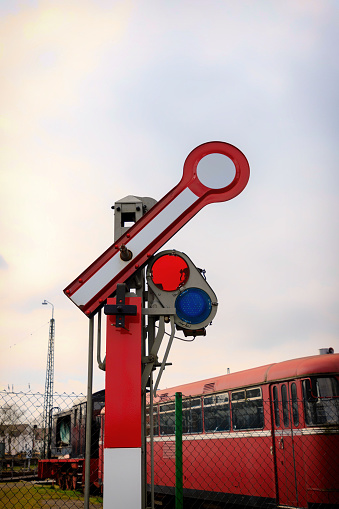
102, 99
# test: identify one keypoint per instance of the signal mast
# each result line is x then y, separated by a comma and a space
49, 385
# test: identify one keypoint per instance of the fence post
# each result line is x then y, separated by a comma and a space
89, 408
179, 500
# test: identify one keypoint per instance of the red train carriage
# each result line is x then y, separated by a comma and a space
267, 436
66, 464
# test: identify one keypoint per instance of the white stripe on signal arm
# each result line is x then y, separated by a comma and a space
140, 242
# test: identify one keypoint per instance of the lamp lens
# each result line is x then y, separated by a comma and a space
193, 305
170, 272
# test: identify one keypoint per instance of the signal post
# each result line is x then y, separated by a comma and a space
177, 293
122, 447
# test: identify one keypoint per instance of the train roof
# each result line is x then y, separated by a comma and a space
295, 368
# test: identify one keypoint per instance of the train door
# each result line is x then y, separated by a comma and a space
285, 410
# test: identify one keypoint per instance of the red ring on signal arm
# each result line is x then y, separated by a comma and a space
242, 171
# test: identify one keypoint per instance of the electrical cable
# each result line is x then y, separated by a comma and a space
180, 339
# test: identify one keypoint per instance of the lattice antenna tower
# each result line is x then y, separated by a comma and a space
49, 385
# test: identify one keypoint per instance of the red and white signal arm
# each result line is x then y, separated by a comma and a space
89, 290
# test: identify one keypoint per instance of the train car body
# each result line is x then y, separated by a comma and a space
263, 437
66, 464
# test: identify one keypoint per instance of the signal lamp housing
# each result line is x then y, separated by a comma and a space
175, 282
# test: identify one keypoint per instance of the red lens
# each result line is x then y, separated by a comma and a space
170, 272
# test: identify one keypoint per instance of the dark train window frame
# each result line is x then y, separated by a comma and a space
295, 407
245, 399
167, 411
217, 401
193, 408
285, 406
60, 421
320, 410
276, 411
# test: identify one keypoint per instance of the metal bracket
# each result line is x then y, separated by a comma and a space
161, 311
153, 353
120, 309
163, 364
151, 361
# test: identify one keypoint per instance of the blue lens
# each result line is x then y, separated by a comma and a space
193, 305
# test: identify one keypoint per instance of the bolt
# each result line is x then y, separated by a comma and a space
125, 254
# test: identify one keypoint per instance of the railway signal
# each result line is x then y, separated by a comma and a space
135, 247
177, 293
175, 282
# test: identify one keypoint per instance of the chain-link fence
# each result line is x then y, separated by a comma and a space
236, 449
209, 451
44, 467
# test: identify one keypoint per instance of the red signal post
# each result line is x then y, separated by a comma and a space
122, 446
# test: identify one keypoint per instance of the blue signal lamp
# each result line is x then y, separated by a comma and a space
193, 306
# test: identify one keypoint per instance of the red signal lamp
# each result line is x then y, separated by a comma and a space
170, 272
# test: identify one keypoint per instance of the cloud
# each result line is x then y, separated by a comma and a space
101, 100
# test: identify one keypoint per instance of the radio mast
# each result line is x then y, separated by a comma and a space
49, 383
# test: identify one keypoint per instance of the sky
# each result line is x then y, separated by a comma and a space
104, 99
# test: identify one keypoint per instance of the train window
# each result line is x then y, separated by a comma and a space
321, 400
247, 410
284, 399
276, 406
63, 431
167, 419
238, 396
253, 393
217, 413
191, 415
295, 411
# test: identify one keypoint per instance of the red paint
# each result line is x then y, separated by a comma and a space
123, 380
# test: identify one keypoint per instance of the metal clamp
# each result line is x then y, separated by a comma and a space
120, 309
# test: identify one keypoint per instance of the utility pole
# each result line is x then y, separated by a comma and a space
49, 383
